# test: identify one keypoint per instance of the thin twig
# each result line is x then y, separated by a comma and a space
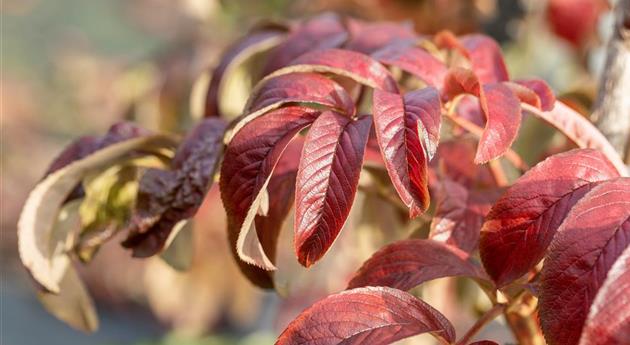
485, 319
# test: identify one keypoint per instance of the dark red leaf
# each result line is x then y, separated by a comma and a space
268, 226
356, 66
409, 263
300, 88
486, 58
367, 38
501, 107
523, 222
248, 163
166, 197
608, 322
459, 215
414, 60
376, 316
327, 182
407, 130
321, 32
593, 236
484, 342
456, 161
544, 92
242, 49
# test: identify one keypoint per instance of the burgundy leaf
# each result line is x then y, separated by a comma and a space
166, 197
523, 222
407, 129
321, 32
486, 58
248, 163
367, 38
409, 263
294, 88
414, 60
327, 182
608, 322
234, 55
501, 107
281, 189
300, 88
484, 342
579, 130
459, 215
544, 92
356, 66
376, 316
456, 161
593, 236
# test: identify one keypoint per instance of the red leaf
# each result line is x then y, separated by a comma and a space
484, 342
501, 107
299, 88
321, 32
268, 226
240, 51
403, 125
375, 316
415, 61
366, 37
456, 161
608, 322
356, 66
579, 130
523, 222
248, 163
273, 93
524, 94
327, 182
544, 92
594, 234
486, 58
459, 215
409, 263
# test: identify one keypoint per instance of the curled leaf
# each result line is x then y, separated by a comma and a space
593, 236
409, 263
35, 226
544, 92
234, 56
372, 315
485, 57
500, 106
407, 129
520, 226
166, 197
327, 181
249, 162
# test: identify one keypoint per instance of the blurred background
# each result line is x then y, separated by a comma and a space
73, 67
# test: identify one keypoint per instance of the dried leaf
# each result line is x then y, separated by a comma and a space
166, 197
249, 162
42, 206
